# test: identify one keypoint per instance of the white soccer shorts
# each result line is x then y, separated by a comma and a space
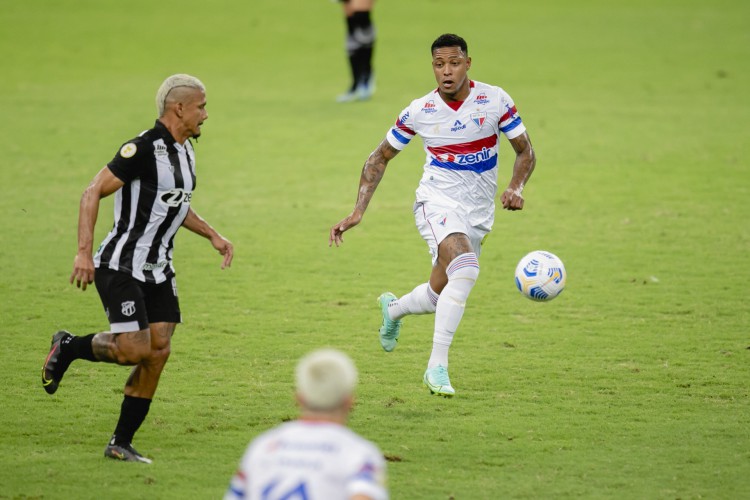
435, 222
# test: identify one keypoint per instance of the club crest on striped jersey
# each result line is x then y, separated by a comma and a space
478, 118
128, 150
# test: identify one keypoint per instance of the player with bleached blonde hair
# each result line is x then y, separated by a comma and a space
315, 456
152, 177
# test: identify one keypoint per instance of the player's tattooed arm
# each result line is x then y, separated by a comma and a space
372, 172
512, 197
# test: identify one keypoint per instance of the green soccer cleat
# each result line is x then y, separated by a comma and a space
437, 381
390, 329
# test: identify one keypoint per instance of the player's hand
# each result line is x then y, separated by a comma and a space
225, 248
83, 271
337, 231
512, 199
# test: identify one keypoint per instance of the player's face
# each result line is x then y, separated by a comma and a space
194, 112
450, 65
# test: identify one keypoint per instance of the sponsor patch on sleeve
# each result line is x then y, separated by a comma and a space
128, 150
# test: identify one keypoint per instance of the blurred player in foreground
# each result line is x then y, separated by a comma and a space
315, 456
459, 123
360, 42
153, 177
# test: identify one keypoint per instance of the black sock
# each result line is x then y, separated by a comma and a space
350, 49
365, 72
363, 33
132, 414
79, 348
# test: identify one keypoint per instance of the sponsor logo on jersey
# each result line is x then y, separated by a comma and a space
176, 197
481, 99
161, 150
429, 107
148, 266
465, 159
128, 308
458, 126
128, 150
478, 118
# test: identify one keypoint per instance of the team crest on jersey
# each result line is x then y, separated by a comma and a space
429, 107
481, 99
128, 308
478, 118
128, 150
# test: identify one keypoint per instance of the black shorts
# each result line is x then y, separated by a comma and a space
131, 304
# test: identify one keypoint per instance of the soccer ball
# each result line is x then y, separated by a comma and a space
540, 276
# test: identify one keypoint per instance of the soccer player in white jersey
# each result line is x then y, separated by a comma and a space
459, 123
315, 457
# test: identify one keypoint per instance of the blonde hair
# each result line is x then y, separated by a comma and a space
172, 82
325, 379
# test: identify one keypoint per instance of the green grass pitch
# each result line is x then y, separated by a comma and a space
634, 383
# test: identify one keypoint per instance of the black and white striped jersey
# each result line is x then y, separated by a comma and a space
159, 177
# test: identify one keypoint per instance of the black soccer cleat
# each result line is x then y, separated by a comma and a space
124, 453
54, 366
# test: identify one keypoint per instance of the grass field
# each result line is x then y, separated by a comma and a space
632, 384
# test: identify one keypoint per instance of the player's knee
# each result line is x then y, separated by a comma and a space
463, 272
161, 355
133, 347
464, 267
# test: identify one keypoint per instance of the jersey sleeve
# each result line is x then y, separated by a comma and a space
237, 489
370, 477
402, 132
510, 122
128, 162
238, 485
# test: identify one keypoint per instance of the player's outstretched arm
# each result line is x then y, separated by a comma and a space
512, 197
198, 225
372, 172
101, 186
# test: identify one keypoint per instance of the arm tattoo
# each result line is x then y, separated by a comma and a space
372, 172
524, 163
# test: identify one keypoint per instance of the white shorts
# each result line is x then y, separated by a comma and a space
436, 222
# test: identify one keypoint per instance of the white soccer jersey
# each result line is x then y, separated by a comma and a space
312, 461
460, 169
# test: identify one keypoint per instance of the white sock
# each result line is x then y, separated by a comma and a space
421, 300
462, 272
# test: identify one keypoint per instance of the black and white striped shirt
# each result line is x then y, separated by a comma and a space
159, 177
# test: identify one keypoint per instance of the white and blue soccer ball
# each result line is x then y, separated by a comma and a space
540, 276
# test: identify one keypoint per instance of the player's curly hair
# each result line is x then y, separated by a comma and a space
172, 82
449, 40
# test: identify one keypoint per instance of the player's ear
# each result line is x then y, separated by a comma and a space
468, 63
348, 403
